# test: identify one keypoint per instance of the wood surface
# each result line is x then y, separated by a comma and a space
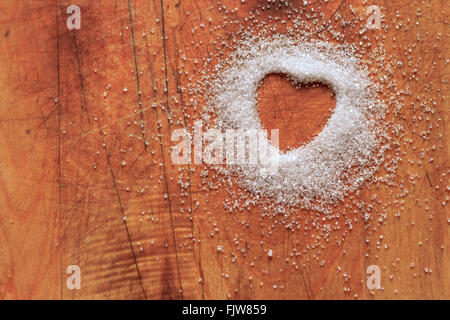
65, 188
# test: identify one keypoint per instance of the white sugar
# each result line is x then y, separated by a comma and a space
343, 155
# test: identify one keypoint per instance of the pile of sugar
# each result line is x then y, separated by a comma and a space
344, 154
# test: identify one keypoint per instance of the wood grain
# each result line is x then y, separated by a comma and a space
86, 176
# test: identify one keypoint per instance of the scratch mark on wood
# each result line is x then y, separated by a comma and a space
162, 152
125, 222
80, 72
59, 143
137, 73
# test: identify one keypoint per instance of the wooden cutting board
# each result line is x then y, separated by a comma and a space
74, 163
